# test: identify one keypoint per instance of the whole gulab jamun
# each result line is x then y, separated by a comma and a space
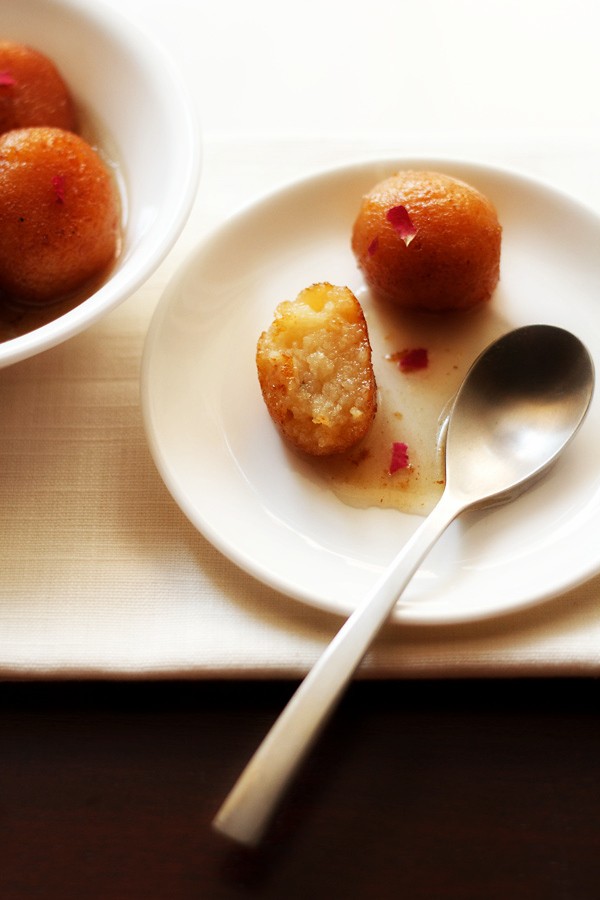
32, 90
59, 214
425, 240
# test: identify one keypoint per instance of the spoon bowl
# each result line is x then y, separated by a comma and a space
520, 404
522, 401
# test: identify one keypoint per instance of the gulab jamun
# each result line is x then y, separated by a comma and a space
425, 240
59, 214
32, 90
315, 370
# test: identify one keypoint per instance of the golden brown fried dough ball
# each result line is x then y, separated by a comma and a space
59, 214
315, 370
427, 241
32, 91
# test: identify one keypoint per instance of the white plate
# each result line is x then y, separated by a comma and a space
219, 454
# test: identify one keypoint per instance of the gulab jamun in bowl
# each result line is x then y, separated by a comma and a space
99, 164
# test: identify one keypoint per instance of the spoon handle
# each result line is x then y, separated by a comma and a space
246, 812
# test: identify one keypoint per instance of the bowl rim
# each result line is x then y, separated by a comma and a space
116, 24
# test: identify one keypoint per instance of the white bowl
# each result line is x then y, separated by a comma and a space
130, 88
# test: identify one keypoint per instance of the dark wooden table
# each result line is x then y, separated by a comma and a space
434, 790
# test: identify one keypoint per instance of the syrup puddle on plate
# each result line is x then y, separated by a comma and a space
412, 406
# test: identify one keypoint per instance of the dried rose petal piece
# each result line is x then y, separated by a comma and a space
411, 359
372, 248
401, 222
414, 359
58, 183
399, 459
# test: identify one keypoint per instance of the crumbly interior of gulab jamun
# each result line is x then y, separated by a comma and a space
60, 207
315, 370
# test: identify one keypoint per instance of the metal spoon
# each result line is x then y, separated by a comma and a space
520, 404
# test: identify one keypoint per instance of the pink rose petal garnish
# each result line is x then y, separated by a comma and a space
401, 222
58, 183
412, 360
399, 459
7, 80
372, 248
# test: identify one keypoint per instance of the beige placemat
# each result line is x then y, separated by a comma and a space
102, 575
